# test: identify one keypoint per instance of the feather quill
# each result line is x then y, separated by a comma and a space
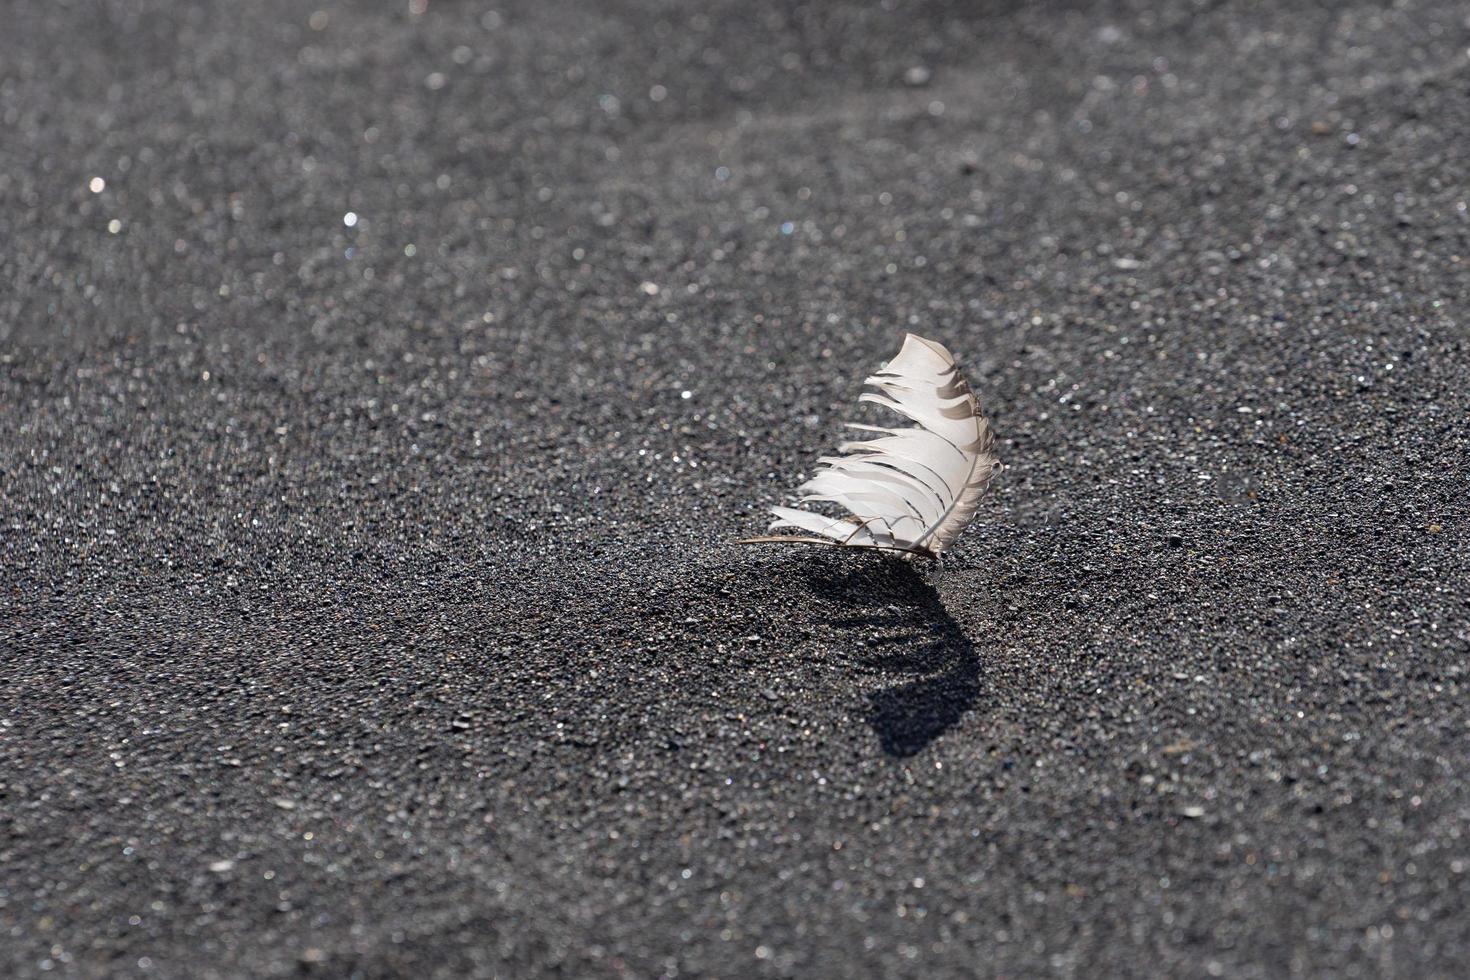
910, 490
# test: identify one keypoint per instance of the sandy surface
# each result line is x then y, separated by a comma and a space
380, 392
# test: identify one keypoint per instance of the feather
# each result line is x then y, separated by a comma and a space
913, 489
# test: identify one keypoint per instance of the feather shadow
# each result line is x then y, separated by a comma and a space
909, 634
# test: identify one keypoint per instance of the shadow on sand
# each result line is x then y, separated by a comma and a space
908, 634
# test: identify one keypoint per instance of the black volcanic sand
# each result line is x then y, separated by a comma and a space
368, 602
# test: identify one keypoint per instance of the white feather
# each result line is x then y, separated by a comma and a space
911, 489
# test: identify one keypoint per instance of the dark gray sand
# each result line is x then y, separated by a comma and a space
372, 441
